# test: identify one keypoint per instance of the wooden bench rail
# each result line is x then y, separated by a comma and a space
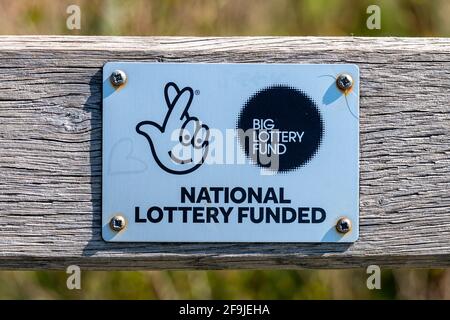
50, 152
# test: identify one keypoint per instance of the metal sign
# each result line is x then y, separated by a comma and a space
230, 152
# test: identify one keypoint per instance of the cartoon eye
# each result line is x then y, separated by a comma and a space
188, 131
201, 137
185, 137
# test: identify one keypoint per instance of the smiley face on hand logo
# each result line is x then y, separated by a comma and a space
179, 134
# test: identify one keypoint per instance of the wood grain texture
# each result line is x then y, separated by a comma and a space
50, 152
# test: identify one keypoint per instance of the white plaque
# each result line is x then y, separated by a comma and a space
230, 152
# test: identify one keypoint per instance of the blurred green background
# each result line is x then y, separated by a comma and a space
227, 17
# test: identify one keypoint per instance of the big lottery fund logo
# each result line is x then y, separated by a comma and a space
281, 128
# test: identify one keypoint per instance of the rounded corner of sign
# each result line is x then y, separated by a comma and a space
105, 239
356, 67
106, 236
107, 63
108, 67
353, 238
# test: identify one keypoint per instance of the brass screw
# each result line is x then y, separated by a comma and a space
344, 82
343, 225
117, 223
118, 78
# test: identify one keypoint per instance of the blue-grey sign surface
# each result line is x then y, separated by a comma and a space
230, 152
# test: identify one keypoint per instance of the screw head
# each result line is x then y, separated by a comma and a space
344, 82
343, 225
117, 223
118, 78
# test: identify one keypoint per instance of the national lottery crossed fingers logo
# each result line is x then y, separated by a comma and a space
191, 136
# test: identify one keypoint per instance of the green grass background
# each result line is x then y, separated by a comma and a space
227, 17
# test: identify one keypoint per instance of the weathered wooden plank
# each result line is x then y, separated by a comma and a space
50, 152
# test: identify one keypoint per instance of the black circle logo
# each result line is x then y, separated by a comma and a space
280, 128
